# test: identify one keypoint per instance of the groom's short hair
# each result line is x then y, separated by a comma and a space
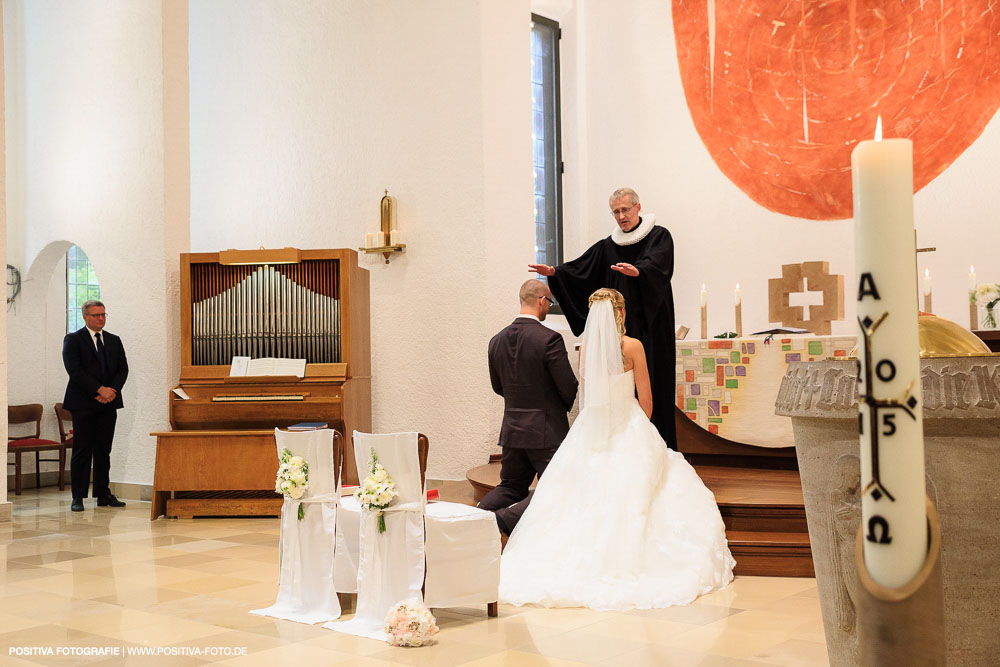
531, 290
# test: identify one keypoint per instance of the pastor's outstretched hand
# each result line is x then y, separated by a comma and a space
626, 269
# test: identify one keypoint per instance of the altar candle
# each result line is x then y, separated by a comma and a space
368, 240
704, 312
972, 278
893, 516
738, 295
928, 306
379, 239
394, 237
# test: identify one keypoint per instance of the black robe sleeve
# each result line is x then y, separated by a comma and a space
575, 281
656, 268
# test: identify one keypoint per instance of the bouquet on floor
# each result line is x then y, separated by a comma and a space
377, 490
409, 623
293, 478
988, 296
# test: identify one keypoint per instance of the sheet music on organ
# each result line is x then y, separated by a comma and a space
239, 366
245, 366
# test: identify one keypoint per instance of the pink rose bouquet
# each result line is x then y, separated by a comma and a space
409, 623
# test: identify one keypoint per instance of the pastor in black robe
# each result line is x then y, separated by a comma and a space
649, 303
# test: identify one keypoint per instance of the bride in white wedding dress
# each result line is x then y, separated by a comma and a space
619, 521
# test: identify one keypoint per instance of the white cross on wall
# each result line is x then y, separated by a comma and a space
806, 298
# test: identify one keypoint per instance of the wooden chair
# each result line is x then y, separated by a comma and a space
63, 417
19, 444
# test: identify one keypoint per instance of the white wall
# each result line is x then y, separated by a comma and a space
5, 506
86, 166
302, 113
627, 123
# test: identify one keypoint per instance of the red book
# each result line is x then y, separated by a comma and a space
432, 494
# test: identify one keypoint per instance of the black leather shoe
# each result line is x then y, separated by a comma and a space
77, 505
109, 501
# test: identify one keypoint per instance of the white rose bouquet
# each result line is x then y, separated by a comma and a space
987, 295
409, 624
377, 490
293, 478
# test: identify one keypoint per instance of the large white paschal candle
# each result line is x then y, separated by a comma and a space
893, 513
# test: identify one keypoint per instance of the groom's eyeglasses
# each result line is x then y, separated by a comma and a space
551, 302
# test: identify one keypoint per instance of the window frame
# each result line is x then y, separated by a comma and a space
74, 256
553, 227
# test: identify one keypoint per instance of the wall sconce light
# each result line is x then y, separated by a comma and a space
387, 240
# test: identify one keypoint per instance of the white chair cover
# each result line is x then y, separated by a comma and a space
463, 556
391, 564
348, 550
306, 591
462, 548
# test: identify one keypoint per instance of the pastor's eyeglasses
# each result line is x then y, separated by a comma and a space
616, 212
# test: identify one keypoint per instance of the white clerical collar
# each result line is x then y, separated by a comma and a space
646, 224
529, 316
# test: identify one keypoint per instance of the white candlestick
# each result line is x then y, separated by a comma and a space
394, 238
738, 295
379, 239
368, 240
927, 282
972, 278
704, 296
893, 513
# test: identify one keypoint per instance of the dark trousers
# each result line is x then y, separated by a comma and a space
510, 498
93, 434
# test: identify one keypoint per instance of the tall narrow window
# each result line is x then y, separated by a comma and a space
545, 139
81, 286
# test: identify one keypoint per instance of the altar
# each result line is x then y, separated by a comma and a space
729, 386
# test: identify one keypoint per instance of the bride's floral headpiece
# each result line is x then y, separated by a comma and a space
617, 305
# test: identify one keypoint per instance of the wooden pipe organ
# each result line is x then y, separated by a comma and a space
220, 457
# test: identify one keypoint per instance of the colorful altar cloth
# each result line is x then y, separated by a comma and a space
728, 386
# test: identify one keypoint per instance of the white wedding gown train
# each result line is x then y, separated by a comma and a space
618, 521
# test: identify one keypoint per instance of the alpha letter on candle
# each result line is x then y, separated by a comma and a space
891, 424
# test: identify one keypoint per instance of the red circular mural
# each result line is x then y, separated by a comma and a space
781, 92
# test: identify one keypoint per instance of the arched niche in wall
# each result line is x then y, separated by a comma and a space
36, 325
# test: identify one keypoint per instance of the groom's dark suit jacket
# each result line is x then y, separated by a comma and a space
530, 369
86, 375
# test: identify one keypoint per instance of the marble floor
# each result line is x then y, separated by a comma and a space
76, 585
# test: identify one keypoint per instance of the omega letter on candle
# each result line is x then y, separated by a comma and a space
890, 403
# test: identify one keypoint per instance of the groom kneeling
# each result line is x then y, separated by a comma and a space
530, 368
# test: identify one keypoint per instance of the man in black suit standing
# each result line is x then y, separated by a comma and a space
529, 367
97, 368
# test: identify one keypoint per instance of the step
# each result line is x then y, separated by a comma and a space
771, 553
766, 518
